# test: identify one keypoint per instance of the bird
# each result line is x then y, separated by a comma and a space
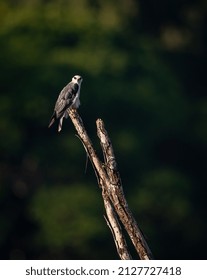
67, 99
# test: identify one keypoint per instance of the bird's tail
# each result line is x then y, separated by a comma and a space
52, 120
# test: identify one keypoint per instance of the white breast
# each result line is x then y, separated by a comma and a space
76, 102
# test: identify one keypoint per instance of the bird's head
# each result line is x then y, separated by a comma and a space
77, 79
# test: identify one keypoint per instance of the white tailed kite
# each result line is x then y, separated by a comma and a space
67, 99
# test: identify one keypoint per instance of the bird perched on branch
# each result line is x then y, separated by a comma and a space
67, 99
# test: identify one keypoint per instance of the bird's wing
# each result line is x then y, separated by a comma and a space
66, 98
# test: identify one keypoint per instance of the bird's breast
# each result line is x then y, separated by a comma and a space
76, 101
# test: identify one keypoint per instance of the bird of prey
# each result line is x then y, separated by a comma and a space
67, 99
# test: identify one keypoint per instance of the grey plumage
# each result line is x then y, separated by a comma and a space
68, 98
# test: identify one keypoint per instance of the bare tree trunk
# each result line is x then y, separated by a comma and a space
112, 191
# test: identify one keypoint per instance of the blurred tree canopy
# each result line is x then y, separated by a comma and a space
144, 70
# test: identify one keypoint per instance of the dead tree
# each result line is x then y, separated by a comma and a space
117, 210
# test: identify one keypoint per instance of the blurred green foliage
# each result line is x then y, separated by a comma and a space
144, 69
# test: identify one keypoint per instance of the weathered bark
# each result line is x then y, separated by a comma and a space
112, 191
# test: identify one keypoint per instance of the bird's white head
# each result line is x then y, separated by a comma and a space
77, 79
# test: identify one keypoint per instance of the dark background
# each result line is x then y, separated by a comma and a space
144, 69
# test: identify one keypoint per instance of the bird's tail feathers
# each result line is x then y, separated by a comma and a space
52, 120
